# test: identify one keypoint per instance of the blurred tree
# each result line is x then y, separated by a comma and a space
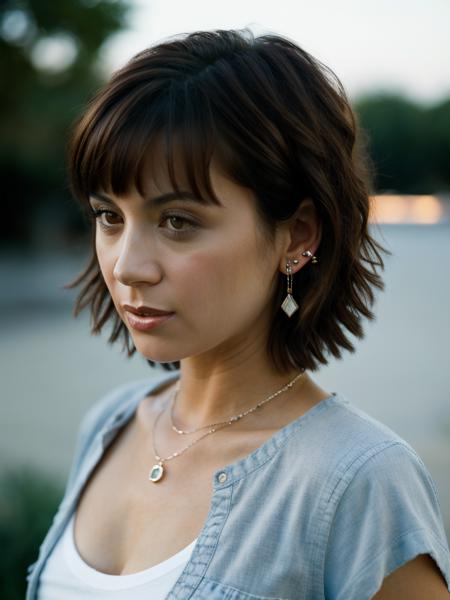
28, 502
409, 143
437, 147
49, 68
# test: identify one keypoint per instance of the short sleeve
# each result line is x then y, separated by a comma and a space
388, 514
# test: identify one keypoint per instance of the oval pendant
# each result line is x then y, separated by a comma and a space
156, 472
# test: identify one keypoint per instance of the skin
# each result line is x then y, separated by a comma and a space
418, 579
219, 278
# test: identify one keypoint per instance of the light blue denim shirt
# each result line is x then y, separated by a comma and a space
326, 508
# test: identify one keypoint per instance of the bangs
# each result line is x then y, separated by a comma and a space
269, 115
115, 141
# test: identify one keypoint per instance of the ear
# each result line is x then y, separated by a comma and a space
303, 231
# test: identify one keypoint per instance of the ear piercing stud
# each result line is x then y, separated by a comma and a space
309, 254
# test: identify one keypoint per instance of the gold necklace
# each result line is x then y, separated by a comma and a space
157, 470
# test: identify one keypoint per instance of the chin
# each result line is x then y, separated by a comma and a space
160, 357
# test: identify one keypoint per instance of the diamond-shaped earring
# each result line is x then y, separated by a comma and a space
289, 304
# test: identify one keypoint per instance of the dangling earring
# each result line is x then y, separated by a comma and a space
289, 304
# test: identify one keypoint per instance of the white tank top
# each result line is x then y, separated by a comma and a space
67, 576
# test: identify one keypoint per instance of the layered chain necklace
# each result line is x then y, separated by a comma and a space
158, 469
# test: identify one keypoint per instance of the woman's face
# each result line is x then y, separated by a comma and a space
208, 264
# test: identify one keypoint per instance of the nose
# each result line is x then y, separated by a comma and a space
134, 263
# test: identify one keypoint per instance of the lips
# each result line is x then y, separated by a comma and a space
146, 311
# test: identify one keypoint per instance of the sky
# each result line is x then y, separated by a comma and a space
389, 45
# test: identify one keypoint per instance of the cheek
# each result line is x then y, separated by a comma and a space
219, 284
198, 282
106, 264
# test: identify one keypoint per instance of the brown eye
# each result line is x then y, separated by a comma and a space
179, 224
106, 212
176, 219
98, 214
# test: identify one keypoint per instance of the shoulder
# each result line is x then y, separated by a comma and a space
351, 460
339, 438
111, 403
377, 503
112, 406
368, 450
118, 400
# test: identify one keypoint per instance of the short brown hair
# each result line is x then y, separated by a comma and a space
282, 125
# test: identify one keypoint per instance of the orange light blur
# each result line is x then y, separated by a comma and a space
391, 208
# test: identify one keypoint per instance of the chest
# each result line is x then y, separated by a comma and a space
125, 523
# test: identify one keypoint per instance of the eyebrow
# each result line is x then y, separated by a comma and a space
157, 200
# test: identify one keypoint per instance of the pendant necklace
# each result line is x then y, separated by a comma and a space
158, 469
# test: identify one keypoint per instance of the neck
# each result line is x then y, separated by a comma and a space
206, 398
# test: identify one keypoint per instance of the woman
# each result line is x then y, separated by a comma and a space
231, 245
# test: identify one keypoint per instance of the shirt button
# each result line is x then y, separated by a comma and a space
222, 477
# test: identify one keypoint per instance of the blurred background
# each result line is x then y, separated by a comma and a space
394, 61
